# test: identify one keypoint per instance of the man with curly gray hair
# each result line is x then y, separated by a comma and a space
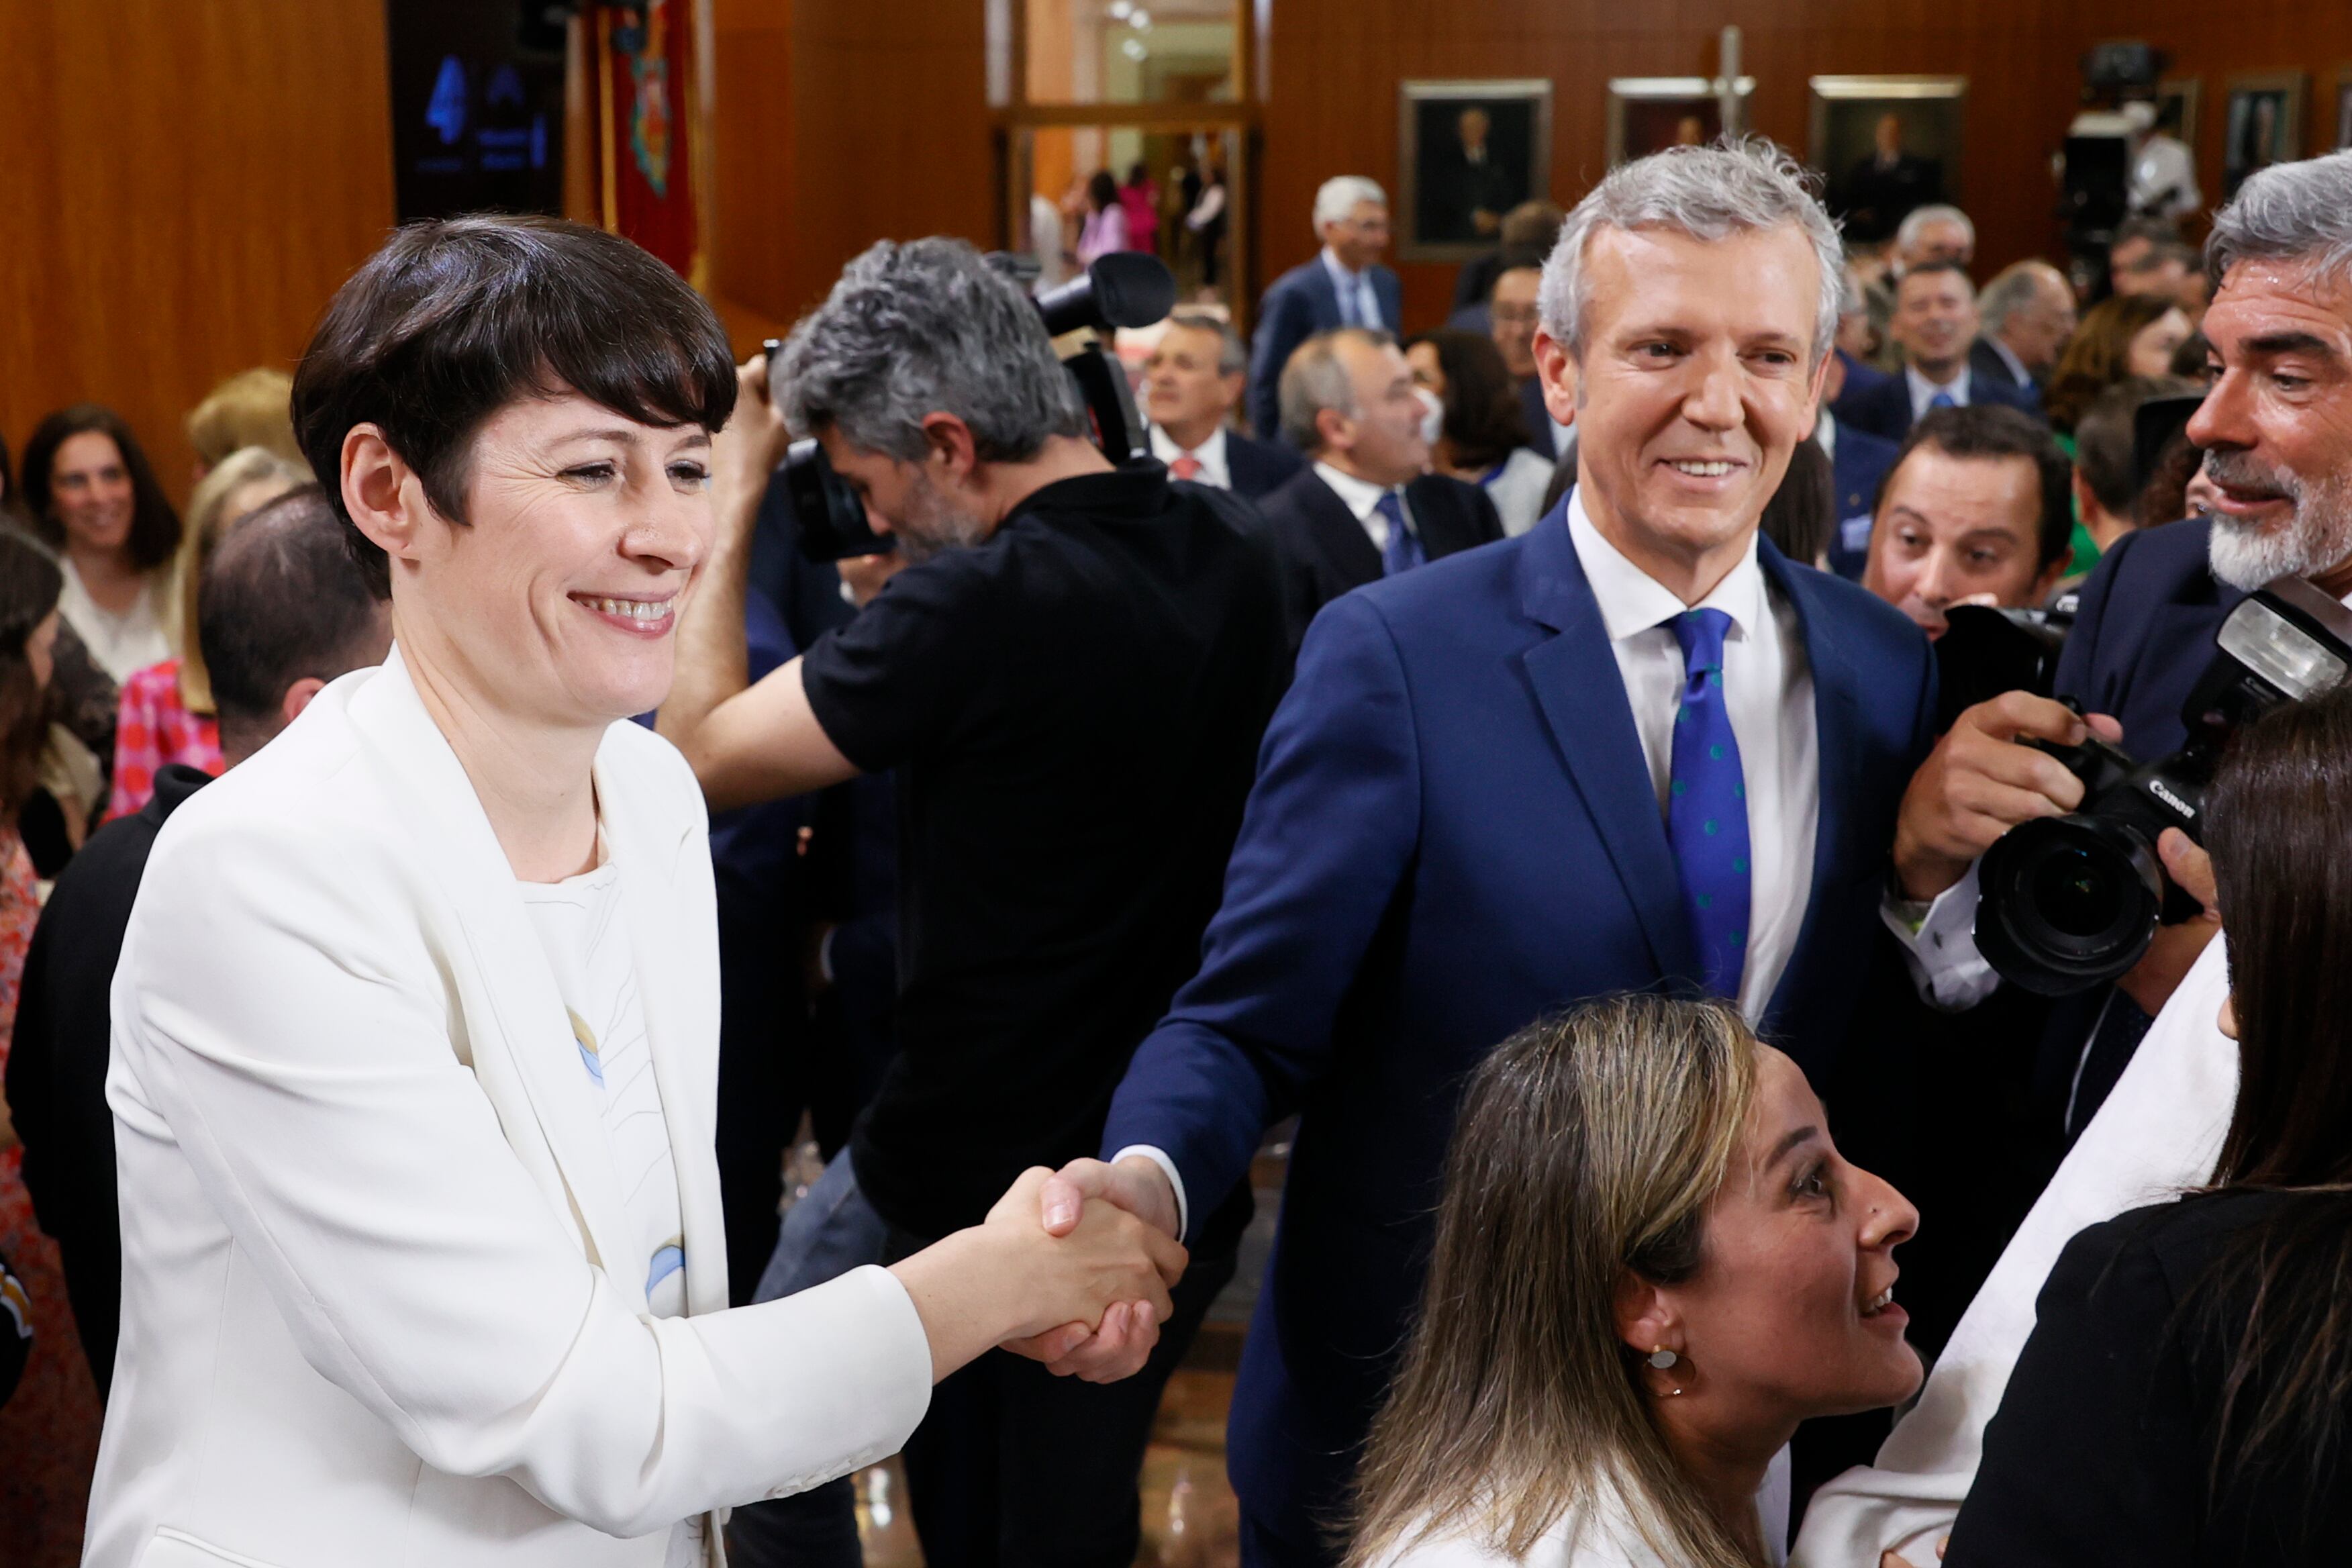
1069, 677
1631, 749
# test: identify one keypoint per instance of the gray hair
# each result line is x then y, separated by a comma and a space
925, 327
1852, 301
2288, 212
2011, 290
1232, 354
1315, 380
1919, 218
1338, 196
1735, 186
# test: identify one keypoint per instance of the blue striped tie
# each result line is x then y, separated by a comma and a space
1706, 806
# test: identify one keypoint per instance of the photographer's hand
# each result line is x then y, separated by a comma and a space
1980, 781
2175, 948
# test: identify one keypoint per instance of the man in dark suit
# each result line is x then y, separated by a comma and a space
1191, 382
283, 610
1859, 462
1512, 317
1469, 189
1463, 818
2025, 315
1344, 285
1935, 323
1364, 509
1882, 189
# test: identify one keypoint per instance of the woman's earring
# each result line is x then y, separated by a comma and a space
1662, 1358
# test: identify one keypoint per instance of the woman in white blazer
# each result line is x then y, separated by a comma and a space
415, 1028
1651, 1264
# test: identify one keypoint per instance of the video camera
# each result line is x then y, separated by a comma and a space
1124, 289
2069, 902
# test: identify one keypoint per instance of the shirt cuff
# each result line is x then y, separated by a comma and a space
1175, 1183
1939, 946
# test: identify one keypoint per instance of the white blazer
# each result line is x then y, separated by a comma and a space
366, 1200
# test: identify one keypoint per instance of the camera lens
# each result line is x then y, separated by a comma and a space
2073, 893
2066, 903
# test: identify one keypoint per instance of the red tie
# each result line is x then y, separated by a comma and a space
1185, 467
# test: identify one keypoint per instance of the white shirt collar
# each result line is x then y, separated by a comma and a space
1360, 496
1209, 453
1633, 602
2016, 365
1338, 268
1825, 431
1922, 391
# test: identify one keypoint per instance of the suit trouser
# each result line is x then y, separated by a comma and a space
1011, 1466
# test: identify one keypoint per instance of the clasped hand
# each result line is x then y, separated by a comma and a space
1098, 1273
1118, 1345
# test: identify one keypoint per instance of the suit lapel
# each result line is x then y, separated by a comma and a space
1582, 694
1837, 753
1347, 550
524, 1053
648, 851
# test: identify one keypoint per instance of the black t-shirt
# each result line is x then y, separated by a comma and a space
1076, 705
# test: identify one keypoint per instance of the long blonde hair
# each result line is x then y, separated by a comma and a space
1587, 1146
208, 517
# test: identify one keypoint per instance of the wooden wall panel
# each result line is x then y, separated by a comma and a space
186, 182
839, 122
1335, 65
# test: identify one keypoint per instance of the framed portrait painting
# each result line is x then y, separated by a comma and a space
2178, 99
1470, 152
2264, 125
1886, 144
1650, 113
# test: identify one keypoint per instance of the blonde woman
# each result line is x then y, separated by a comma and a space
1651, 1264
166, 712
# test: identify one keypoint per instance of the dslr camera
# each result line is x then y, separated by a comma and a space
2069, 902
1124, 289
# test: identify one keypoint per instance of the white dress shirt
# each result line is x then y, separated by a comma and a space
1209, 453
1359, 305
2160, 1131
1767, 687
1922, 391
1363, 497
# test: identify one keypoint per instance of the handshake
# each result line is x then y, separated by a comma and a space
1086, 1258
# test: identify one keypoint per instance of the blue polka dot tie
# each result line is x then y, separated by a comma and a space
1942, 400
1403, 552
1707, 808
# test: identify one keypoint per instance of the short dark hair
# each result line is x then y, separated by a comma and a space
2162, 230
1514, 259
1992, 431
282, 598
451, 321
1930, 269
154, 524
1481, 408
2103, 440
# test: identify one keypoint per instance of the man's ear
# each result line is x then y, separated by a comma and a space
951, 443
384, 496
1335, 432
1556, 372
298, 697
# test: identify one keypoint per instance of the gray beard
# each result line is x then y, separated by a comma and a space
934, 525
2315, 538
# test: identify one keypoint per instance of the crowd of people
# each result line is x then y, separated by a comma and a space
1534, 761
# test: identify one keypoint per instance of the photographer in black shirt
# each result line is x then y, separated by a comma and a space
1070, 675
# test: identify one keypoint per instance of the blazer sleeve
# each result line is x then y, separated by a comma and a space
1324, 845
2078, 662
2092, 1456
280, 1014
1289, 321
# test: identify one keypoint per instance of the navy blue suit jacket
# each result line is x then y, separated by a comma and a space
1300, 303
2144, 632
1453, 832
1885, 410
1860, 466
1861, 381
1257, 467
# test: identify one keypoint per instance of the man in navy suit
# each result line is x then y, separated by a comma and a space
1476, 805
1859, 462
1365, 509
1935, 323
1344, 285
1191, 382
2026, 314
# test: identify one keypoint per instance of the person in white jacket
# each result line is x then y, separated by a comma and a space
416, 1027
